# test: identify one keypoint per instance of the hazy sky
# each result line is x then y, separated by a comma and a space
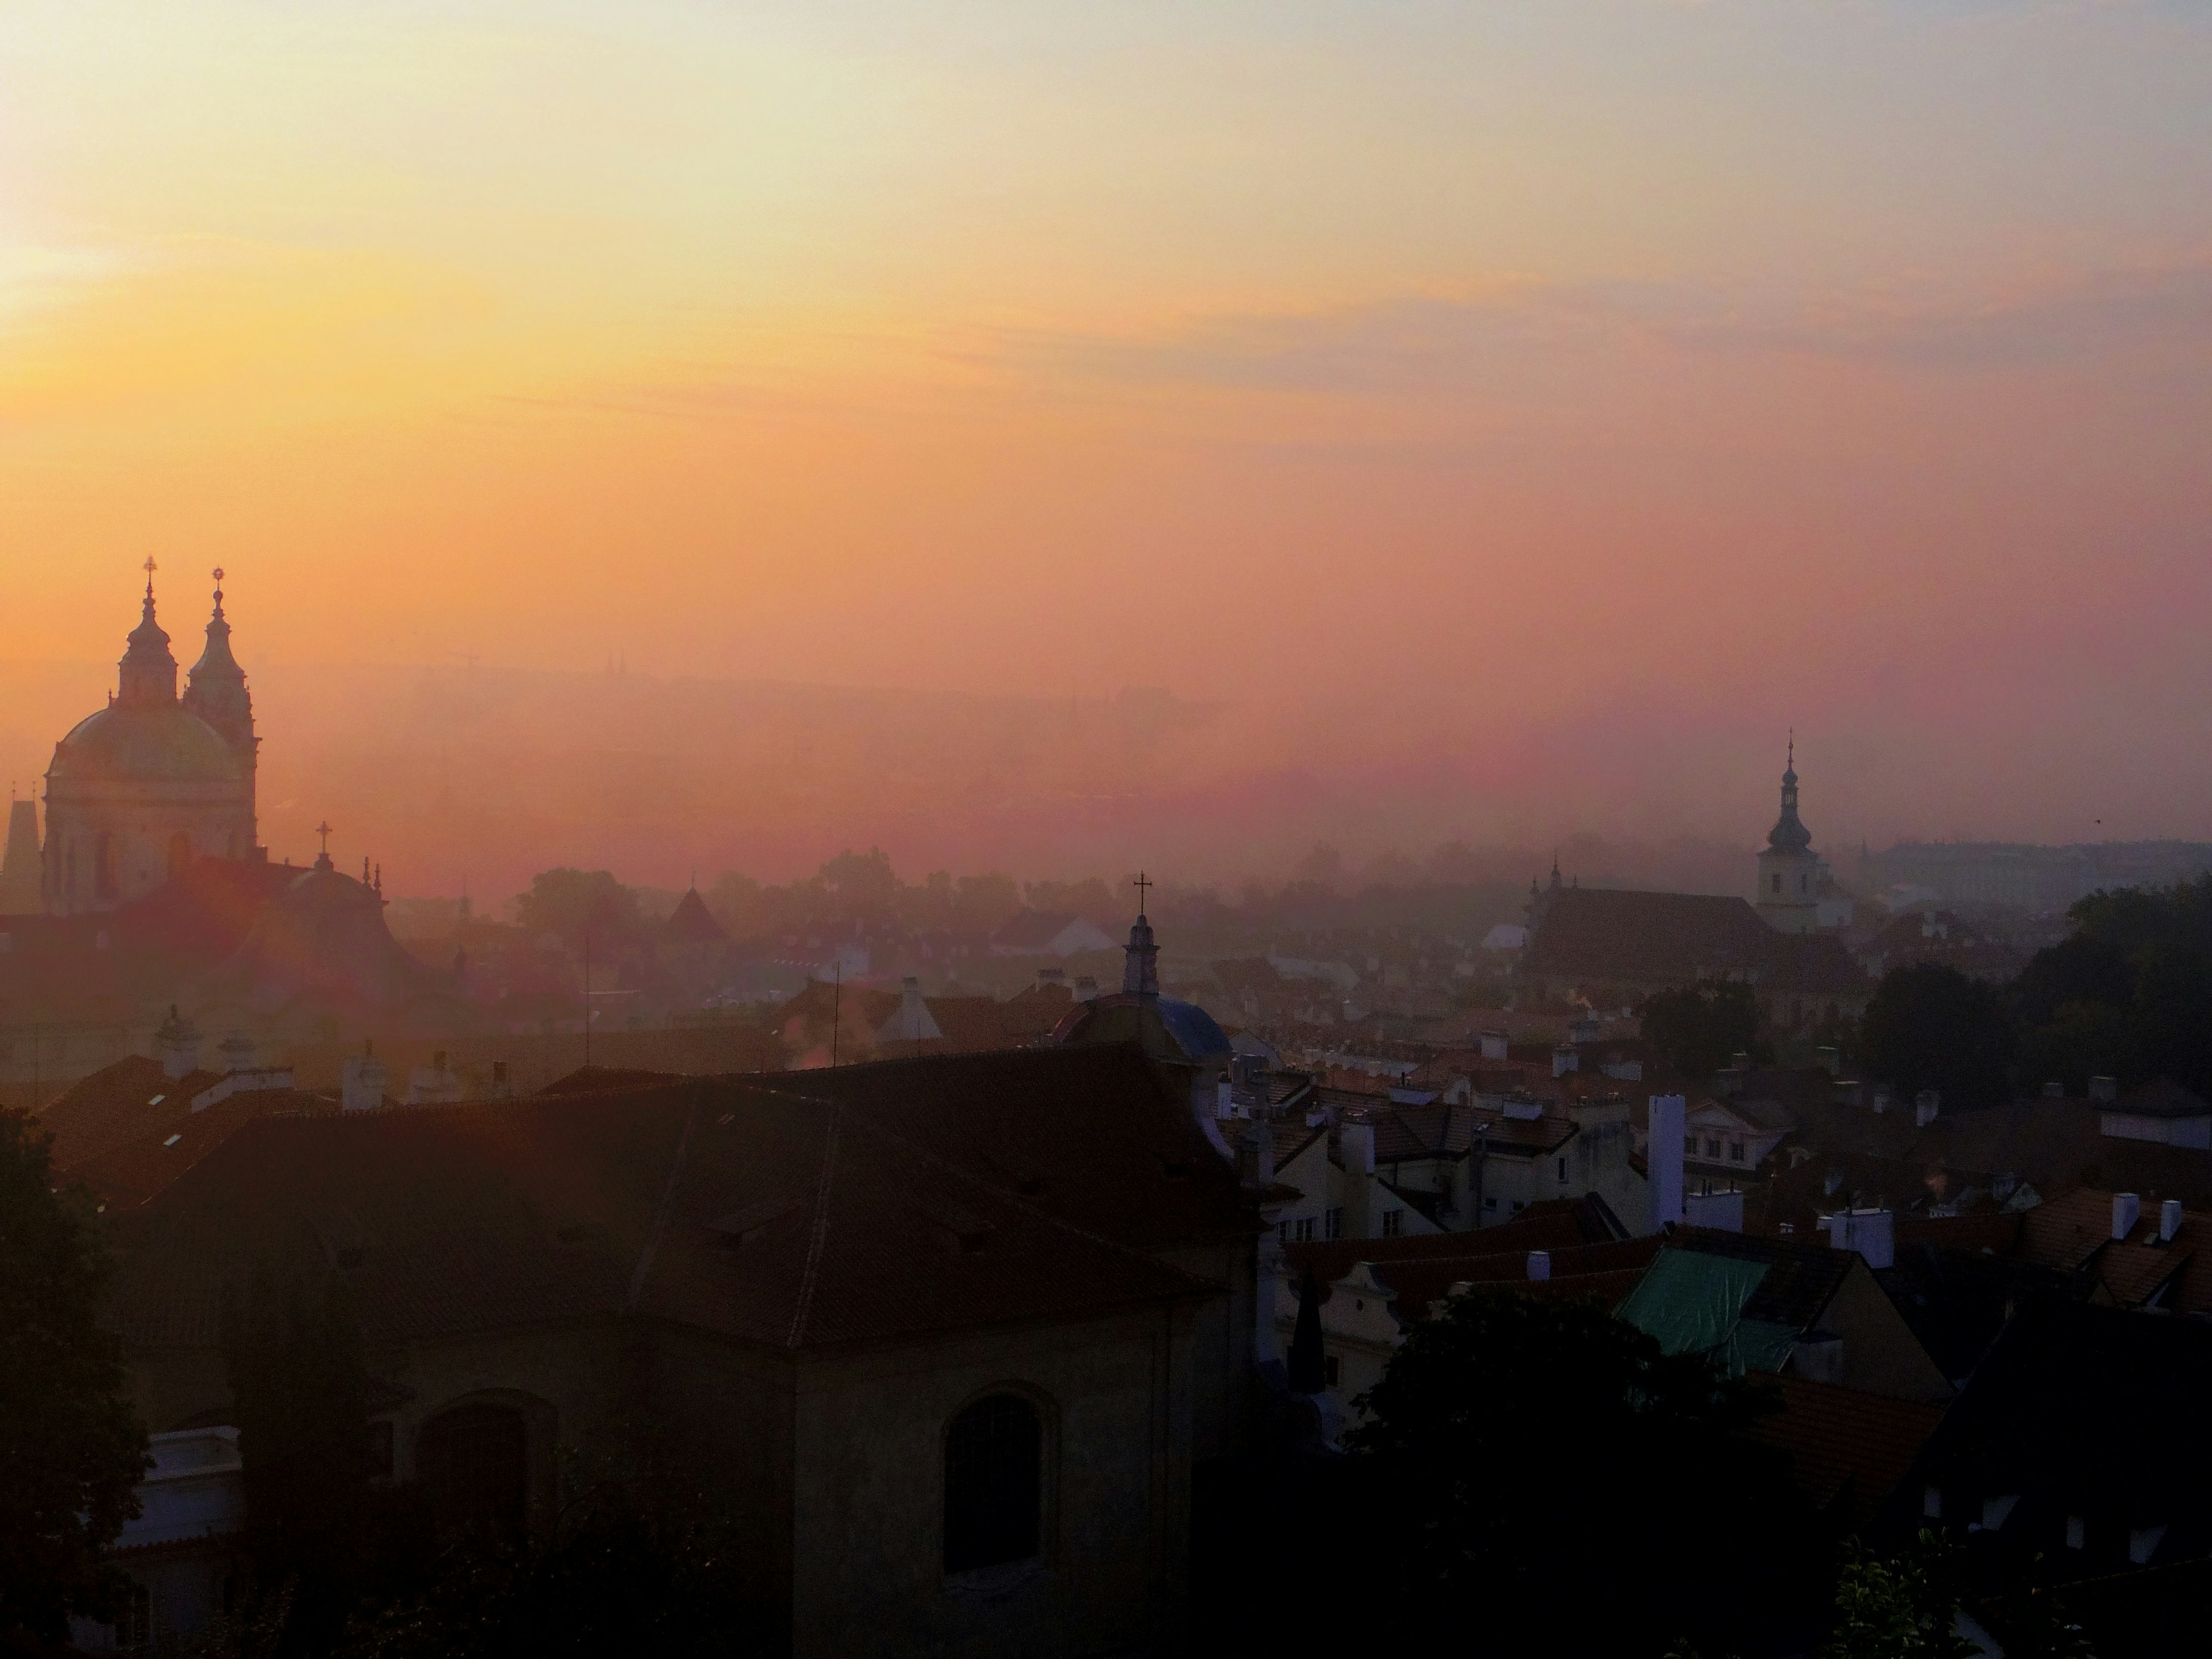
1578, 393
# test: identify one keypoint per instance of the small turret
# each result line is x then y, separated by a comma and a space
216, 686
1141, 970
149, 677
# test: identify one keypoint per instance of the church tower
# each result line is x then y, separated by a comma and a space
1790, 872
216, 691
1140, 959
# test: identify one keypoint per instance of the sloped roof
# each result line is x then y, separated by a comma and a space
1552, 1224
1093, 1133
714, 1204
115, 1106
1846, 1446
1601, 934
1033, 930
2162, 1097
692, 923
139, 1171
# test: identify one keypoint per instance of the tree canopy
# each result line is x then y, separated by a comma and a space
579, 904
71, 1449
1700, 1028
1930, 1027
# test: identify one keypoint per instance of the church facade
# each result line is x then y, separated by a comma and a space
141, 789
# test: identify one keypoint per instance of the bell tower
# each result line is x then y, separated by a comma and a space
1790, 872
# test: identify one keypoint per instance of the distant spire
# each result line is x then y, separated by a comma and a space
148, 672
1140, 970
1790, 834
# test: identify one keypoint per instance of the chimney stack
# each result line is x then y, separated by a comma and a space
1225, 1100
177, 1043
2127, 1210
1872, 1233
1925, 1105
1357, 1145
1540, 1264
361, 1080
1663, 1154
2169, 1221
1086, 989
1493, 1045
2103, 1089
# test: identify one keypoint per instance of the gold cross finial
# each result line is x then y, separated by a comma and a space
150, 568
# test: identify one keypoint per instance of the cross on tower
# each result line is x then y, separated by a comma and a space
150, 568
323, 830
1141, 885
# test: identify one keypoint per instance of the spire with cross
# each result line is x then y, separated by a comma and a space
1142, 886
1140, 970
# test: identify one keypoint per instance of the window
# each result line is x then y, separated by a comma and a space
1304, 1230
1392, 1221
1563, 1169
1712, 1146
1735, 1152
474, 1462
1333, 1224
1282, 1232
993, 1484
1330, 1370
1689, 1144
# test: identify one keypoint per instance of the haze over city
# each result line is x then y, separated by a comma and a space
1515, 418
867, 832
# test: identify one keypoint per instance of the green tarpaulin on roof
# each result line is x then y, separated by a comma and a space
1693, 1302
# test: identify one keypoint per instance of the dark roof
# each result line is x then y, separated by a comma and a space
691, 923
1094, 1133
1848, 1449
136, 1173
714, 1204
2086, 1410
1802, 1278
1601, 933
117, 1105
1552, 1224
2162, 1097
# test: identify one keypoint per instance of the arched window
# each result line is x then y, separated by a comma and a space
993, 1484
180, 853
474, 1462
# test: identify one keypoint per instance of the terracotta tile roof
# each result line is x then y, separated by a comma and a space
452, 1220
1604, 1272
1552, 1224
116, 1105
1602, 934
131, 1175
1848, 1449
1093, 1133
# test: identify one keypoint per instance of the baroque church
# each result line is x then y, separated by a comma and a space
139, 790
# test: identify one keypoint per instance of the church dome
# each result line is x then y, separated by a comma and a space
143, 743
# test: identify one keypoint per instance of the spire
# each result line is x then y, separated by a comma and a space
1141, 971
148, 672
216, 689
1789, 835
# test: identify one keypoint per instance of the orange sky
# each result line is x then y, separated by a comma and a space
1561, 400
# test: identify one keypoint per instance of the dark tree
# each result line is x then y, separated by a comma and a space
299, 1391
1930, 1027
1700, 1028
574, 905
1523, 1452
71, 1446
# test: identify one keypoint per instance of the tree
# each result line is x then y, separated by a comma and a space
1514, 1442
71, 1449
1902, 1606
861, 886
299, 1391
579, 904
1930, 1027
1699, 1028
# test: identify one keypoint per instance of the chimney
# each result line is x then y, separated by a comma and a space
237, 1052
2169, 1221
2054, 1090
1086, 989
1870, 1232
178, 1045
501, 1088
1662, 1154
361, 1080
1052, 979
1925, 1105
1263, 1153
2127, 1210
1565, 1059
1882, 1101
1830, 1060
1540, 1264
1356, 1147
1225, 1100
2105, 1089
1493, 1045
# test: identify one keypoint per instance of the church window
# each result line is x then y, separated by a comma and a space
993, 1484
474, 1462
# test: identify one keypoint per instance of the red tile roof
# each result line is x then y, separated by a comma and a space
1845, 1445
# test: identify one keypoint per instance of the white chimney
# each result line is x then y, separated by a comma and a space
1086, 989
178, 1046
237, 1052
1872, 1233
1225, 1100
1540, 1264
1052, 979
1662, 1154
1565, 1059
1493, 1045
2104, 1088
1925, 1105
362, 1081
2127, 1210
1880, 1099
1356, 1146
2054, 1090
2169, 1221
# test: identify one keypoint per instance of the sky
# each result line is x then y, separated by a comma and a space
1544, 406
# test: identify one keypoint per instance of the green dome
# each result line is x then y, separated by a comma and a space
160, 744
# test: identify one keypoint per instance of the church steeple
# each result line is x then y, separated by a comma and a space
148, 672
216, 691
1140, 970
1789, 835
